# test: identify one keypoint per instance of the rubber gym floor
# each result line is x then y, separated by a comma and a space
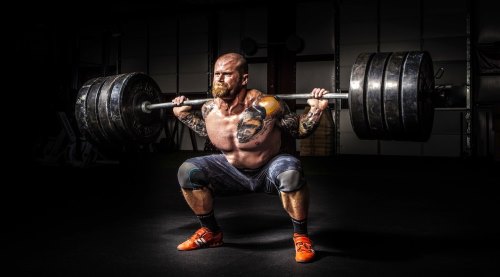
369, 216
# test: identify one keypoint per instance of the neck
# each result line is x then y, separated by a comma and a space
232, 106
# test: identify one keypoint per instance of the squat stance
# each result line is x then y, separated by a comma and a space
246, 126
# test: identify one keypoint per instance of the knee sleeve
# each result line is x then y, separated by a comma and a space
290, 180
191, 177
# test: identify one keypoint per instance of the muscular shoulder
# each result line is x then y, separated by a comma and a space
267, 104
207, 108
270, 104
251, 96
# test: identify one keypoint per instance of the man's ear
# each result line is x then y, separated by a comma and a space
244, 82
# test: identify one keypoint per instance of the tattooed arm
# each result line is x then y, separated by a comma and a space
193, 120
301, 126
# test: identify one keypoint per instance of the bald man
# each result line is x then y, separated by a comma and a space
246, 125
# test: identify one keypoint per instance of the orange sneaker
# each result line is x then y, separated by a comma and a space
203, 237
304, 252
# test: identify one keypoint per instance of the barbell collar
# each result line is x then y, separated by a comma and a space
147, 106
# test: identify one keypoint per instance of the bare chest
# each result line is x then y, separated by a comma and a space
245, 131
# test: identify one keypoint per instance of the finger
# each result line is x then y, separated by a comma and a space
322, 92
313, 92
179, 100
318, 93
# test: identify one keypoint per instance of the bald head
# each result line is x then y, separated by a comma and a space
237, 59
230, 76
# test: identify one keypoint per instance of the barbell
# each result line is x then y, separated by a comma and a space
390, 98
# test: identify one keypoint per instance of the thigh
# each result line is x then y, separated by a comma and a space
223, 177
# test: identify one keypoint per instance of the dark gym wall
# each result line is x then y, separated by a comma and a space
174, 45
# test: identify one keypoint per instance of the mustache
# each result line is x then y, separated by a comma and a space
219, 84
220, 89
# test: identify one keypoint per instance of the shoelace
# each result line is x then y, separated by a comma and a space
198, 235
302, 245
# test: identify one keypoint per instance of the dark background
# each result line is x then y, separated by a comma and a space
122, 214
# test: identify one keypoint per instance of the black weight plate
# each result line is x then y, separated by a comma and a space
81, 114
374, 97
94, 129
357, 97
127, 96
392, 98
108, 127
417, 85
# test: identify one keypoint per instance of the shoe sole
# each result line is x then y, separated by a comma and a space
304, 261
204, 246
215, 244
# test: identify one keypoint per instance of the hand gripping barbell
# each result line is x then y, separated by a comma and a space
390, 98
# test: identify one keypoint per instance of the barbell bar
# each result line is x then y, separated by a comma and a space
390, 98
147, 106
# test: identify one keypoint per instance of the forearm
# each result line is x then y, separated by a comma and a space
309, 121
193, 121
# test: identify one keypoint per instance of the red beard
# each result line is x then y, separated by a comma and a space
220, 90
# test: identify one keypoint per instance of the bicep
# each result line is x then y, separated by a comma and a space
299, 126
289, 122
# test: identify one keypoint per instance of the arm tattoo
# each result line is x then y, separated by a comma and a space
310, 121
195, 122
207, 108
301, 126
257, 118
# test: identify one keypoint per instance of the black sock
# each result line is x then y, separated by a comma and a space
299, 226
208, 220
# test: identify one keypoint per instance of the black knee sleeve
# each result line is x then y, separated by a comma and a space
191, 177
290, 180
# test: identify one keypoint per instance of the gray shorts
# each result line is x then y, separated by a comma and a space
224, 178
